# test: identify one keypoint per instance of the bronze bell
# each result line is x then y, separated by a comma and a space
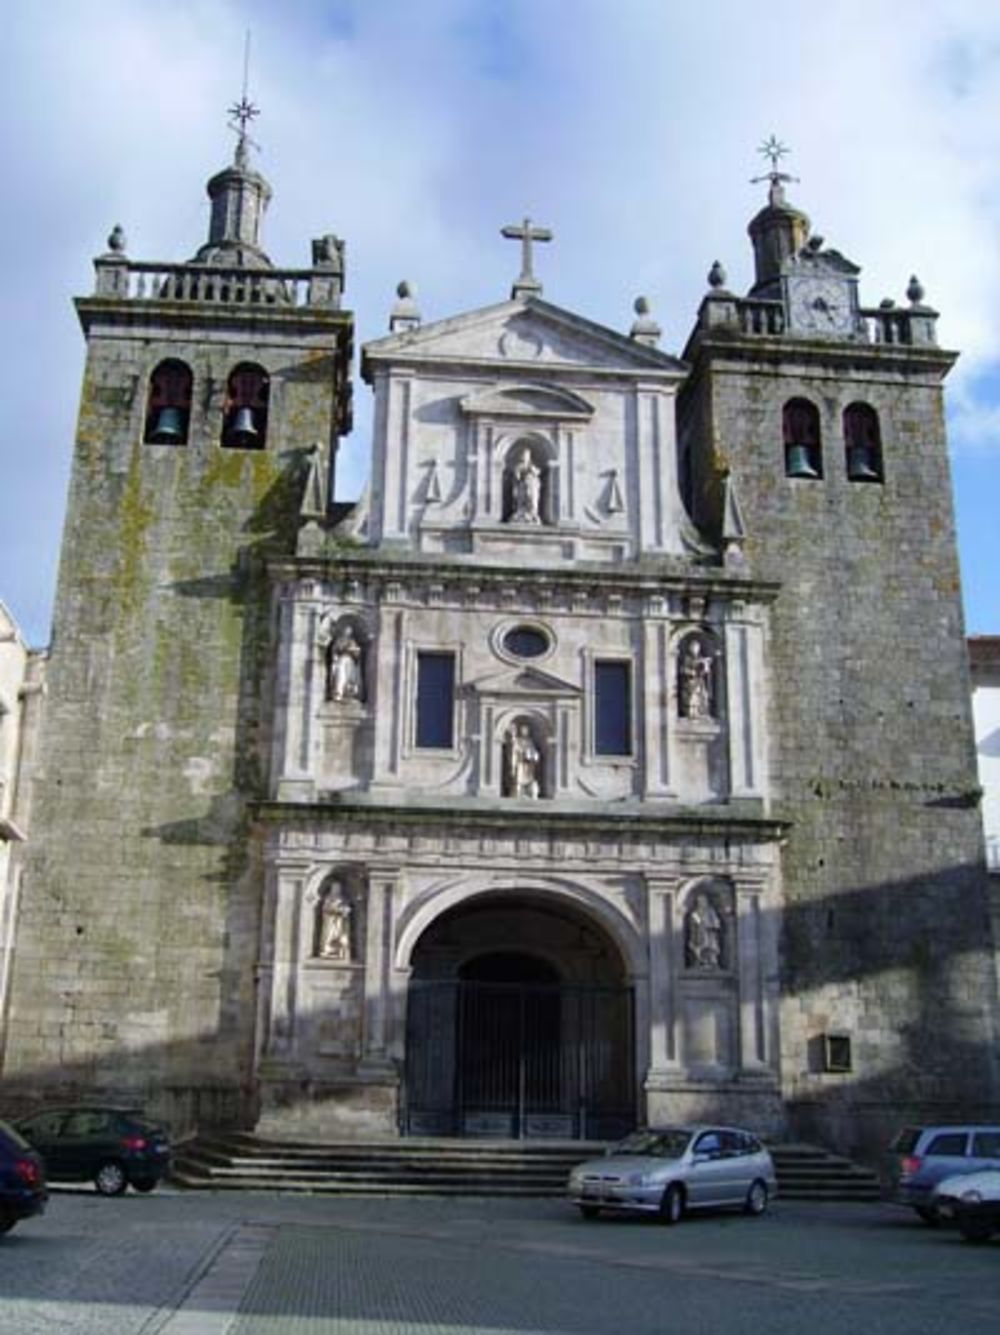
798, 463
859, 464
243, 431
169, 428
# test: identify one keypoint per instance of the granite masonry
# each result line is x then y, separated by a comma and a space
610, 760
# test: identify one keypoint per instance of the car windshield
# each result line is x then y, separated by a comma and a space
656, 1144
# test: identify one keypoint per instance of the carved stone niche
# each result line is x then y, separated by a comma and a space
335, 928
700, 758
708, 928
343, 643
698, 676
707, 983
526, 483
523, 761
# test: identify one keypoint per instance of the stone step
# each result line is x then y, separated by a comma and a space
241, 1161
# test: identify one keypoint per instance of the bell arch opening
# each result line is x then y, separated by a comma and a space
519, 1025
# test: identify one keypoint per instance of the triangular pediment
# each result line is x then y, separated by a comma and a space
520, 334
529, 401
522, 681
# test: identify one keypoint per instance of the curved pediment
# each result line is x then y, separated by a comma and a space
529, 401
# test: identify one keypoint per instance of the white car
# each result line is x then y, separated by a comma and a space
971, 1201
670, 1170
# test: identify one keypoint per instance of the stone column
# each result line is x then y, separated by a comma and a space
389, 705
377, 1040
299, 679
396, 463
279, 961
744, 705
755, 970
649, 426
662, 892
653, 698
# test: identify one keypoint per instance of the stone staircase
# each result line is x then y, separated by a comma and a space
440, 1167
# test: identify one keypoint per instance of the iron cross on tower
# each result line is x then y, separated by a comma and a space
527, 284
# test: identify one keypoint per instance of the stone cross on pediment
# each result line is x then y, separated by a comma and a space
527, 284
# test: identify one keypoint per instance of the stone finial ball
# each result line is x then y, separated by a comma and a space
716, 275
405, 290
915, 290
116, 239
641, 306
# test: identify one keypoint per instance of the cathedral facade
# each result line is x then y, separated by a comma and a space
610, 761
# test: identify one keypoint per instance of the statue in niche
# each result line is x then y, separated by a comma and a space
345, 666
696, 680
335, 927
523, 762
526, 488
703, 945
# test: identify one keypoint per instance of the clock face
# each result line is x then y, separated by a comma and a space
819, 305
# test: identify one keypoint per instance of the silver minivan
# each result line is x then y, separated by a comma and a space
920, 1156
667, 1171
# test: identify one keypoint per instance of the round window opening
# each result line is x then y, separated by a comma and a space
526, 642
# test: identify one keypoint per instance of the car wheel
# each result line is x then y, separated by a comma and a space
144, 1184
929, 1215
756, 1201
589, 1211
110, 1179
672, 1205
975, 1232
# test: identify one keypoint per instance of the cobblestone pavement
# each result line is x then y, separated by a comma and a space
266, 1264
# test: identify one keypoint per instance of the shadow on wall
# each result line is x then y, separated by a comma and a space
931, 1013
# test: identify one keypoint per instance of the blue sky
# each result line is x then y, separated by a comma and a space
416, 130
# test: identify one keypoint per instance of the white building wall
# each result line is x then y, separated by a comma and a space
985, 658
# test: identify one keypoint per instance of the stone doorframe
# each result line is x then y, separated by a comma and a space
618, 921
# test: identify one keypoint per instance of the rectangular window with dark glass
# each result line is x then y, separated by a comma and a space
435, 700
613, 709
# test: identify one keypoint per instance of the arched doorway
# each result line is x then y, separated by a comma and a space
519, 1025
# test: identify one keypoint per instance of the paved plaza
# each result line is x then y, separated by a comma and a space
268, 1264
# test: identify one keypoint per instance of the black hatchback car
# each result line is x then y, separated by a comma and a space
112, 1147
22, 1179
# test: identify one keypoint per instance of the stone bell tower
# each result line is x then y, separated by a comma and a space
825, 418
214, 390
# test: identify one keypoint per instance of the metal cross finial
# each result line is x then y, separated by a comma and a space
775, 150
243, 111
527, 283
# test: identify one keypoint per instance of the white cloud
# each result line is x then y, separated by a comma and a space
416, 131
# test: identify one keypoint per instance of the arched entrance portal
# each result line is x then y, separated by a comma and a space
519, 1025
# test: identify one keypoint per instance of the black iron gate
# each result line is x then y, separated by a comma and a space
519, 1061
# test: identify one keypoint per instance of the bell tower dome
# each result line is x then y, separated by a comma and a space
240, 197
779, 230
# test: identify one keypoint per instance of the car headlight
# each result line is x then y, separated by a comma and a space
972, 1197
641, 1180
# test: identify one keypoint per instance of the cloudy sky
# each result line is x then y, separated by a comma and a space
416, 128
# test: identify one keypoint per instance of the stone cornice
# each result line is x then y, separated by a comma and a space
284, 321
838, 357
668, 576
509, 821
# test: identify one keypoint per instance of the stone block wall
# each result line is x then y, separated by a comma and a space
140, 907
886, 929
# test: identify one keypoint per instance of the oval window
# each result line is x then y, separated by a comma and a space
526, 642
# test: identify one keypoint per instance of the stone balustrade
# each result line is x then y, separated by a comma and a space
754, 317
217, 285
